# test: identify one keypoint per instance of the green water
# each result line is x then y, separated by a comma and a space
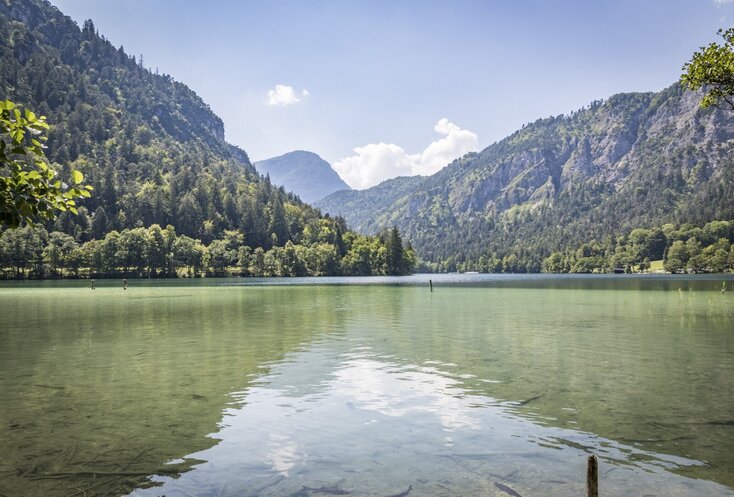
217, 388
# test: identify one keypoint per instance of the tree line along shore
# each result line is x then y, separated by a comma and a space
155, 252
685, 248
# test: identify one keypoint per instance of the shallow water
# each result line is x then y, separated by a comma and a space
370, 385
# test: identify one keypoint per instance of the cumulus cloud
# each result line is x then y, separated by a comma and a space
721, 3
283, 95
376, 162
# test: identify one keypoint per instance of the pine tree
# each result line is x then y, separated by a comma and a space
394, 244
278, 225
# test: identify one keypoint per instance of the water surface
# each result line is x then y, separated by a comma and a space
259, 387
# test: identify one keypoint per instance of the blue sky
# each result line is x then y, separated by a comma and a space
385, 88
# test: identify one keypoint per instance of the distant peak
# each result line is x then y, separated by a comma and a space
304, 173
295, 153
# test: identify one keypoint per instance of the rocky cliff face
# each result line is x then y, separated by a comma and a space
37, 30
632, 160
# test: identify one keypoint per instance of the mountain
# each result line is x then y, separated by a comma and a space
363, 206
634, 160
151, 148
303, 173
156, 157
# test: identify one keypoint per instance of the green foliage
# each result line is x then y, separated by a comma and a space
712, 68
677, 257
555, 263
634, 160
685, 248
394, 245
682, 248
153, 252
156, 156
29, 189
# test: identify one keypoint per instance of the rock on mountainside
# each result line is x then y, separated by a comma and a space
636, 159
303, 173
39, 34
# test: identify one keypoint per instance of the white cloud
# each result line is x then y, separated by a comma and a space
373, 164
720, 3
376, 162
283, 95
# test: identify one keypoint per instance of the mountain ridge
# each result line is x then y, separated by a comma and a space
631, 160
304, 173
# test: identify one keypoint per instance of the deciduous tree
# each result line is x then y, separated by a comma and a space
712, 68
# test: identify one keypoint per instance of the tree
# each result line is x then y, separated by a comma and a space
555, 263
257, 262
677, 257
29, 189
647, 243
396, 264
644, 265
58, 251
189, 253
278, 225
132, 250
357, 260
713, 70
221, 257
157, 251
321, 259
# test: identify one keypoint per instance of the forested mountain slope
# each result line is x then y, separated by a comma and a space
634, 160
303, 173
364, 206
152, 149
155, 154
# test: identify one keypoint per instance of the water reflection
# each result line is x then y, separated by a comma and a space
117, 385
377, 426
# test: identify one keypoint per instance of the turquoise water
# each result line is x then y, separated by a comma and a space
368, 385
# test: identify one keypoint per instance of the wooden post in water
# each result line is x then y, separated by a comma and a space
431, 284
592, 478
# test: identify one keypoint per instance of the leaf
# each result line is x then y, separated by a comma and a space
77, 177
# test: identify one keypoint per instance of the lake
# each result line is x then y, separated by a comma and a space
245, 387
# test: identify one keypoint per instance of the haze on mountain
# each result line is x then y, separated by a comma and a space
303, 173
